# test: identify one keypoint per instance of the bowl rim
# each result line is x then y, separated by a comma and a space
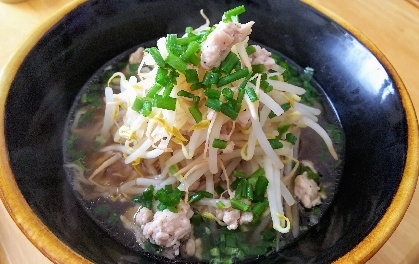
58, 252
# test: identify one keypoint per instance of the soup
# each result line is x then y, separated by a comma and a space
198, 148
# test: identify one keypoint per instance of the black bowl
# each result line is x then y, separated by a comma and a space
44, 77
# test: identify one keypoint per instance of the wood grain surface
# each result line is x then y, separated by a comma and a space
393, 25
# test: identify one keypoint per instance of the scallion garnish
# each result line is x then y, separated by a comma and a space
261, 186
199, 195
239, 205
229, 111
250, 49
212, 93
176, 63
168, 103
219, 143
153, 90
210, 77
275, 143
214, 104
138, 104
251, 94
233, 77
238, 174
220, 205
258, 68
227, 93
291, 138
282, 129
155, 53
196, 113
184, 93
232, 14
162, 76
229, 63
147, 107
286, 106
191, 76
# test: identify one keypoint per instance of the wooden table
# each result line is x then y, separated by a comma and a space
393, 25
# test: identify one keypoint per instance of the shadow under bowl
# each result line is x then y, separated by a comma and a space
42, 80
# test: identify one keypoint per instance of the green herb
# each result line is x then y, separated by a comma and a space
146, 198
219, 143
291, 138
229, 63
168, 103
176, 62
251, 94
238, 174
199, 195
237, 75
239, 205
250, 49
213, 104
196, 113
212, 93
275, 143
155, 53
232, 14
191, 76
258, 68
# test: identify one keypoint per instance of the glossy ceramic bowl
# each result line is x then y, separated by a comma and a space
41, 81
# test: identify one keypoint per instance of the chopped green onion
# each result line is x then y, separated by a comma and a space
219, 143
146, 198
240, 190
191, 76
265, 86
196, 86
286, 106
282, 129
239, 205
227, 93
184, 93
172, 46
190, 51
251, 94
138, 104
249, 191
199, 195
259, 208
274, 78
233, 77
219, 190
275, 143
261, 186
271, 114
250, 49
162, 76
173, 169
255, 175
258, 68
210, 77
147, 107
229, 63
212, 93
291, 138
155, 53
232, 14
153, 90
214, 104
168, 103
167, 91
176, 63
229, 111
220, 205
196, 114
188, 29
239, 174
187, 40
236, 183
240, 97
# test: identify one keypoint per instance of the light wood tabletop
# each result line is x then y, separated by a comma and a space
392, 25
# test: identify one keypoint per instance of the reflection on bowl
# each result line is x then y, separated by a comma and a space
44, 77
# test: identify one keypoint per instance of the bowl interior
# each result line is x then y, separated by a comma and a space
362, 91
